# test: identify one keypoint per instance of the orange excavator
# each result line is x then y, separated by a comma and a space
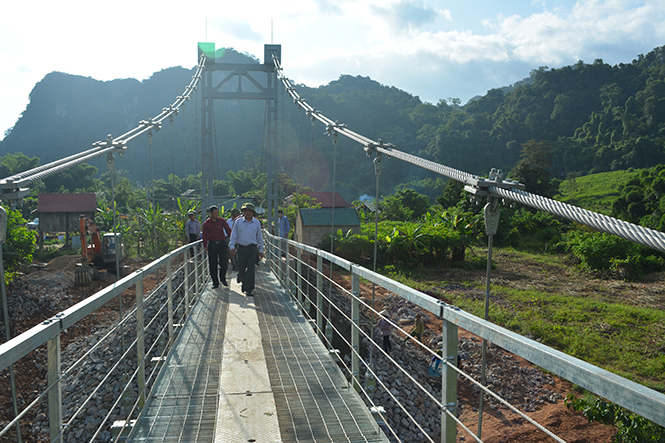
99, 254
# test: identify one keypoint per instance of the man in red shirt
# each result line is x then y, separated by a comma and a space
215, 230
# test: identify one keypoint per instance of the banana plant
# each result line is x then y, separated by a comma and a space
184, 207
467, 226
155, 228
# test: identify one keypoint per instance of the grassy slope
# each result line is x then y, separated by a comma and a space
581, 316
615, 325
594, 192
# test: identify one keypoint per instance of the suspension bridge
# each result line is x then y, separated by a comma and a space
186, 362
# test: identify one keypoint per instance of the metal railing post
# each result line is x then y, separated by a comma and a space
285, 265
196, 271
299, 293
169, 300
319, 295
55, 394
271, 256
205, 267
448, 382
186, 282
355, 329
140, 342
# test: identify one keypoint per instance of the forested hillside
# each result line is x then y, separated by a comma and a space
595, 117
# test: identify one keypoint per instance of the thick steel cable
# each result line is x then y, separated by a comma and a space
27, 178
639, 234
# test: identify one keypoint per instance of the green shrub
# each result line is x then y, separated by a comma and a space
596, 250
631, 428
635, 266
529, 230
20, 242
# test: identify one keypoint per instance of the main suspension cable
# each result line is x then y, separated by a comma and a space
506, 189
13, 184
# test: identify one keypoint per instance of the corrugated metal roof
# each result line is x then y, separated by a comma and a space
67, 203
326, 199
323, 217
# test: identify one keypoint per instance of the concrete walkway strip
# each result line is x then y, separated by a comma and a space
246, 410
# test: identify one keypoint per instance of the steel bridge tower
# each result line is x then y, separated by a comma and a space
240, 81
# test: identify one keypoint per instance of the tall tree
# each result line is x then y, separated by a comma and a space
534, 167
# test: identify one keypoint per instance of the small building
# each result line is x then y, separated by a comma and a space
61, 212
314, 225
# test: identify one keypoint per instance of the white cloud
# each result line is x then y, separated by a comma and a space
419, 46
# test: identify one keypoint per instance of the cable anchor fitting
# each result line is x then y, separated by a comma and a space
110, 162
378, 163
450, 407
479, 186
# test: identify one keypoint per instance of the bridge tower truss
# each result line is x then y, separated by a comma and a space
240, 81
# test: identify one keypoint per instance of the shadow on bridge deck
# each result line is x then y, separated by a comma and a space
251, 369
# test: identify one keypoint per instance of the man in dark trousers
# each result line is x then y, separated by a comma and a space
192, 229
247, 240
215, 230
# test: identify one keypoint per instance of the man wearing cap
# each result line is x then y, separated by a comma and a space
192, 229
247, 242
215, 230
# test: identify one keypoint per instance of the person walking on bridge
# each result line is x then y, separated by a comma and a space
215, 230
192, 229
282, 225
235, 215
247, 240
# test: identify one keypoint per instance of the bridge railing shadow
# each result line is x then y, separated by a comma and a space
345, 321
97, 385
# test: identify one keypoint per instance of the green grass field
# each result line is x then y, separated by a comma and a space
603, 323
594, 192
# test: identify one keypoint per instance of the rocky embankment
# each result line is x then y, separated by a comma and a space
520, 384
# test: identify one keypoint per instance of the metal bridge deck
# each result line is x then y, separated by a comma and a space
248, 369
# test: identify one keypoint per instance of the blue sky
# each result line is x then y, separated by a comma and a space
433, 49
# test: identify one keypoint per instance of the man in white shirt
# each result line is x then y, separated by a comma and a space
247, 240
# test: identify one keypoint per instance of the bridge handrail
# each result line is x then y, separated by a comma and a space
626, 393
49, 331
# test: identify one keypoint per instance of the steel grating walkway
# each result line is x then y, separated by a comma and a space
209, 391
183, 402
315, 403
